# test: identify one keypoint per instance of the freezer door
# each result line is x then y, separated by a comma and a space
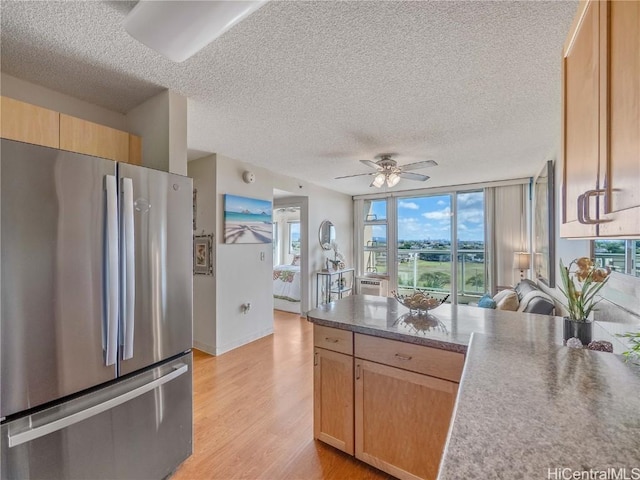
157, 292
136, 428
55, 326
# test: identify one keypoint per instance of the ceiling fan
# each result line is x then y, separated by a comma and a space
388, 171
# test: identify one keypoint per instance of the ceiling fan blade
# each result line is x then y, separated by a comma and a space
417, 165
371, 164
413, 176
357, 175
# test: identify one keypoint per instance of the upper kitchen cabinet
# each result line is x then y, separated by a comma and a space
601, 121
28, 123
32, 124
81, 136
621, 171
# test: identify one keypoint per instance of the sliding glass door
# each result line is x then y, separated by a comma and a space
471, 271
440, 245
424, 243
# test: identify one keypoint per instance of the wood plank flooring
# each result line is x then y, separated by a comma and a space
253, 413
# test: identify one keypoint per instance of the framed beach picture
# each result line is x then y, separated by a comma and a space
202, 255
247, 220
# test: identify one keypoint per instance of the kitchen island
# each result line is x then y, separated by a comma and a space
526, 405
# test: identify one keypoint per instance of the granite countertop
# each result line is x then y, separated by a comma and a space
449, 327
526, 405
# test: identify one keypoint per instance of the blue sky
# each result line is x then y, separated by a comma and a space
429, 218
234, 203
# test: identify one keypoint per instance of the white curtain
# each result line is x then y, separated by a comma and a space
505, 232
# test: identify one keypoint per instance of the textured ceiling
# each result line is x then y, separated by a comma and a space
308, 88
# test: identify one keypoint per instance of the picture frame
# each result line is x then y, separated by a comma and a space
195, 208
247, 220
203, 254
544, 225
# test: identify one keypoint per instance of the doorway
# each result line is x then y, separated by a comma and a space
290, 252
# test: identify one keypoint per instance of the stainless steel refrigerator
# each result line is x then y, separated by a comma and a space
96, 325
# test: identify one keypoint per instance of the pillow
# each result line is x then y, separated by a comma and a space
296, 260
508, 300
486, 301
501, 294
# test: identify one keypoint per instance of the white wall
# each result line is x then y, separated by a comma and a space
43, 97
161, 121
242, 275
203, 172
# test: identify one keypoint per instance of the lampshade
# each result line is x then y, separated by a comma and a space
179, 29
521, 260
378, 181
393, 179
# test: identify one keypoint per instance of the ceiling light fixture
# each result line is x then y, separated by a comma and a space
179, 29
378, 181
393, 179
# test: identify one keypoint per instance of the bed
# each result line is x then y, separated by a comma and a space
286, 288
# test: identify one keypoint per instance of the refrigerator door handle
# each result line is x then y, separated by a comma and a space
127, 268
111, 267
64, 422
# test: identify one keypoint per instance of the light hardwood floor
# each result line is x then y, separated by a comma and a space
253, 413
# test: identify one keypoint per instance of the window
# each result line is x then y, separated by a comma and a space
470, 242
294, 237
374, 247
431, 242
621, 256
424, 243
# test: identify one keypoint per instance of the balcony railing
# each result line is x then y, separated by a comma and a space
430, 269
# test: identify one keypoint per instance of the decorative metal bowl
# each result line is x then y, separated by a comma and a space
419, 302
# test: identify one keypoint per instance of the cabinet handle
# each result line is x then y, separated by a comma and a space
315, 359
583, 207
331, 340
399, 356
357, 371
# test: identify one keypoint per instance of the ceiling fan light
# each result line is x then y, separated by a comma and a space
378, 181
180, 29
393, 179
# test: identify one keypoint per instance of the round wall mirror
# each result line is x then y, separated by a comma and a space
327, 234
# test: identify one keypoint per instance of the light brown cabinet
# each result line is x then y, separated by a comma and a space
81, 136
388, 402
333, 387
333, 399
28, 123
601, 122
32, 124
402, 419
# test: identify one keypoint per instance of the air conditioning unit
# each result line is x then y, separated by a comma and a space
372, 286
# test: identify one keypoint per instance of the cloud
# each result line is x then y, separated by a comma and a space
441, 202
408, 205
438, 215
473, 199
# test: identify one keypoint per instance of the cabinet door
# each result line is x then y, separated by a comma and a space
81, 136
333, 399
402, 419
580, 123
135, 149
30, 124
622, 124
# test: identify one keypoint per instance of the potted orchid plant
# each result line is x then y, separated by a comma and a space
581, 282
